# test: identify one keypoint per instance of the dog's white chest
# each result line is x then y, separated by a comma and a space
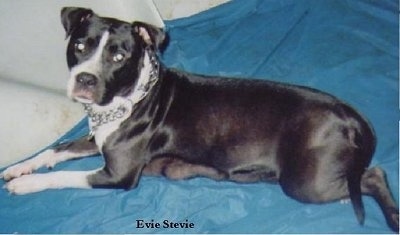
104, 131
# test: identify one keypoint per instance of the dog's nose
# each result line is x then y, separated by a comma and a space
86, 79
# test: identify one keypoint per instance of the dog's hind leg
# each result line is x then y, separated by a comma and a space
373, 183
177, 169
335, 181
50, 157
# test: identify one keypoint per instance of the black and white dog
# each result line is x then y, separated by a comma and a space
149, 119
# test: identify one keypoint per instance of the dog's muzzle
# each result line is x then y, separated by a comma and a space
84, 87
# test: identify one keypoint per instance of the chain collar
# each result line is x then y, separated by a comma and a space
144, 85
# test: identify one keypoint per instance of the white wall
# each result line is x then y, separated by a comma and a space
172, 9
33, 70
32, 118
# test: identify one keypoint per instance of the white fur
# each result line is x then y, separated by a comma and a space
23, 182
48, 158
92, 65
54, 180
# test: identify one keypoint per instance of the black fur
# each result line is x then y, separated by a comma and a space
315, 146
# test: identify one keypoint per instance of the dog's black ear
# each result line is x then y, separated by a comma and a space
72, 17
150, 34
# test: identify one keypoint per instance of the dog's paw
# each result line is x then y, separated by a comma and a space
25, 184
46, 158
23, 168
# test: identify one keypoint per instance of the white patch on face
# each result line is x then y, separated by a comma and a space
129, 102
93, 66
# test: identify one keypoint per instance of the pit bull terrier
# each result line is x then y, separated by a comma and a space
148, 119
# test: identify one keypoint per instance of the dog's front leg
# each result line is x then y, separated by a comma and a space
123, 166
100, 178
120, 171
50, 157
53, 180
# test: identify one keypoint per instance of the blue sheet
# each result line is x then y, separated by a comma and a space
347, 48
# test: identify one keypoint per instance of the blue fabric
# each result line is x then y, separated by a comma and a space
347, 48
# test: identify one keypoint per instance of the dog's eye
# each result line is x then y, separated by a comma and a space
80, 47
118, 57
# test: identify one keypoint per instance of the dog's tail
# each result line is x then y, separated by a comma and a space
364, 143
372, 181
354, 187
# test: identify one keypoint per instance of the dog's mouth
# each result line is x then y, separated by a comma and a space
82, 96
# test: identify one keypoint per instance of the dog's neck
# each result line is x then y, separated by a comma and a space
120, 107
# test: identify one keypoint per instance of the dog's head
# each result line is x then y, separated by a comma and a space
105, 56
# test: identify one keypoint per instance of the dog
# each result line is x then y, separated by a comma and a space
148, 119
